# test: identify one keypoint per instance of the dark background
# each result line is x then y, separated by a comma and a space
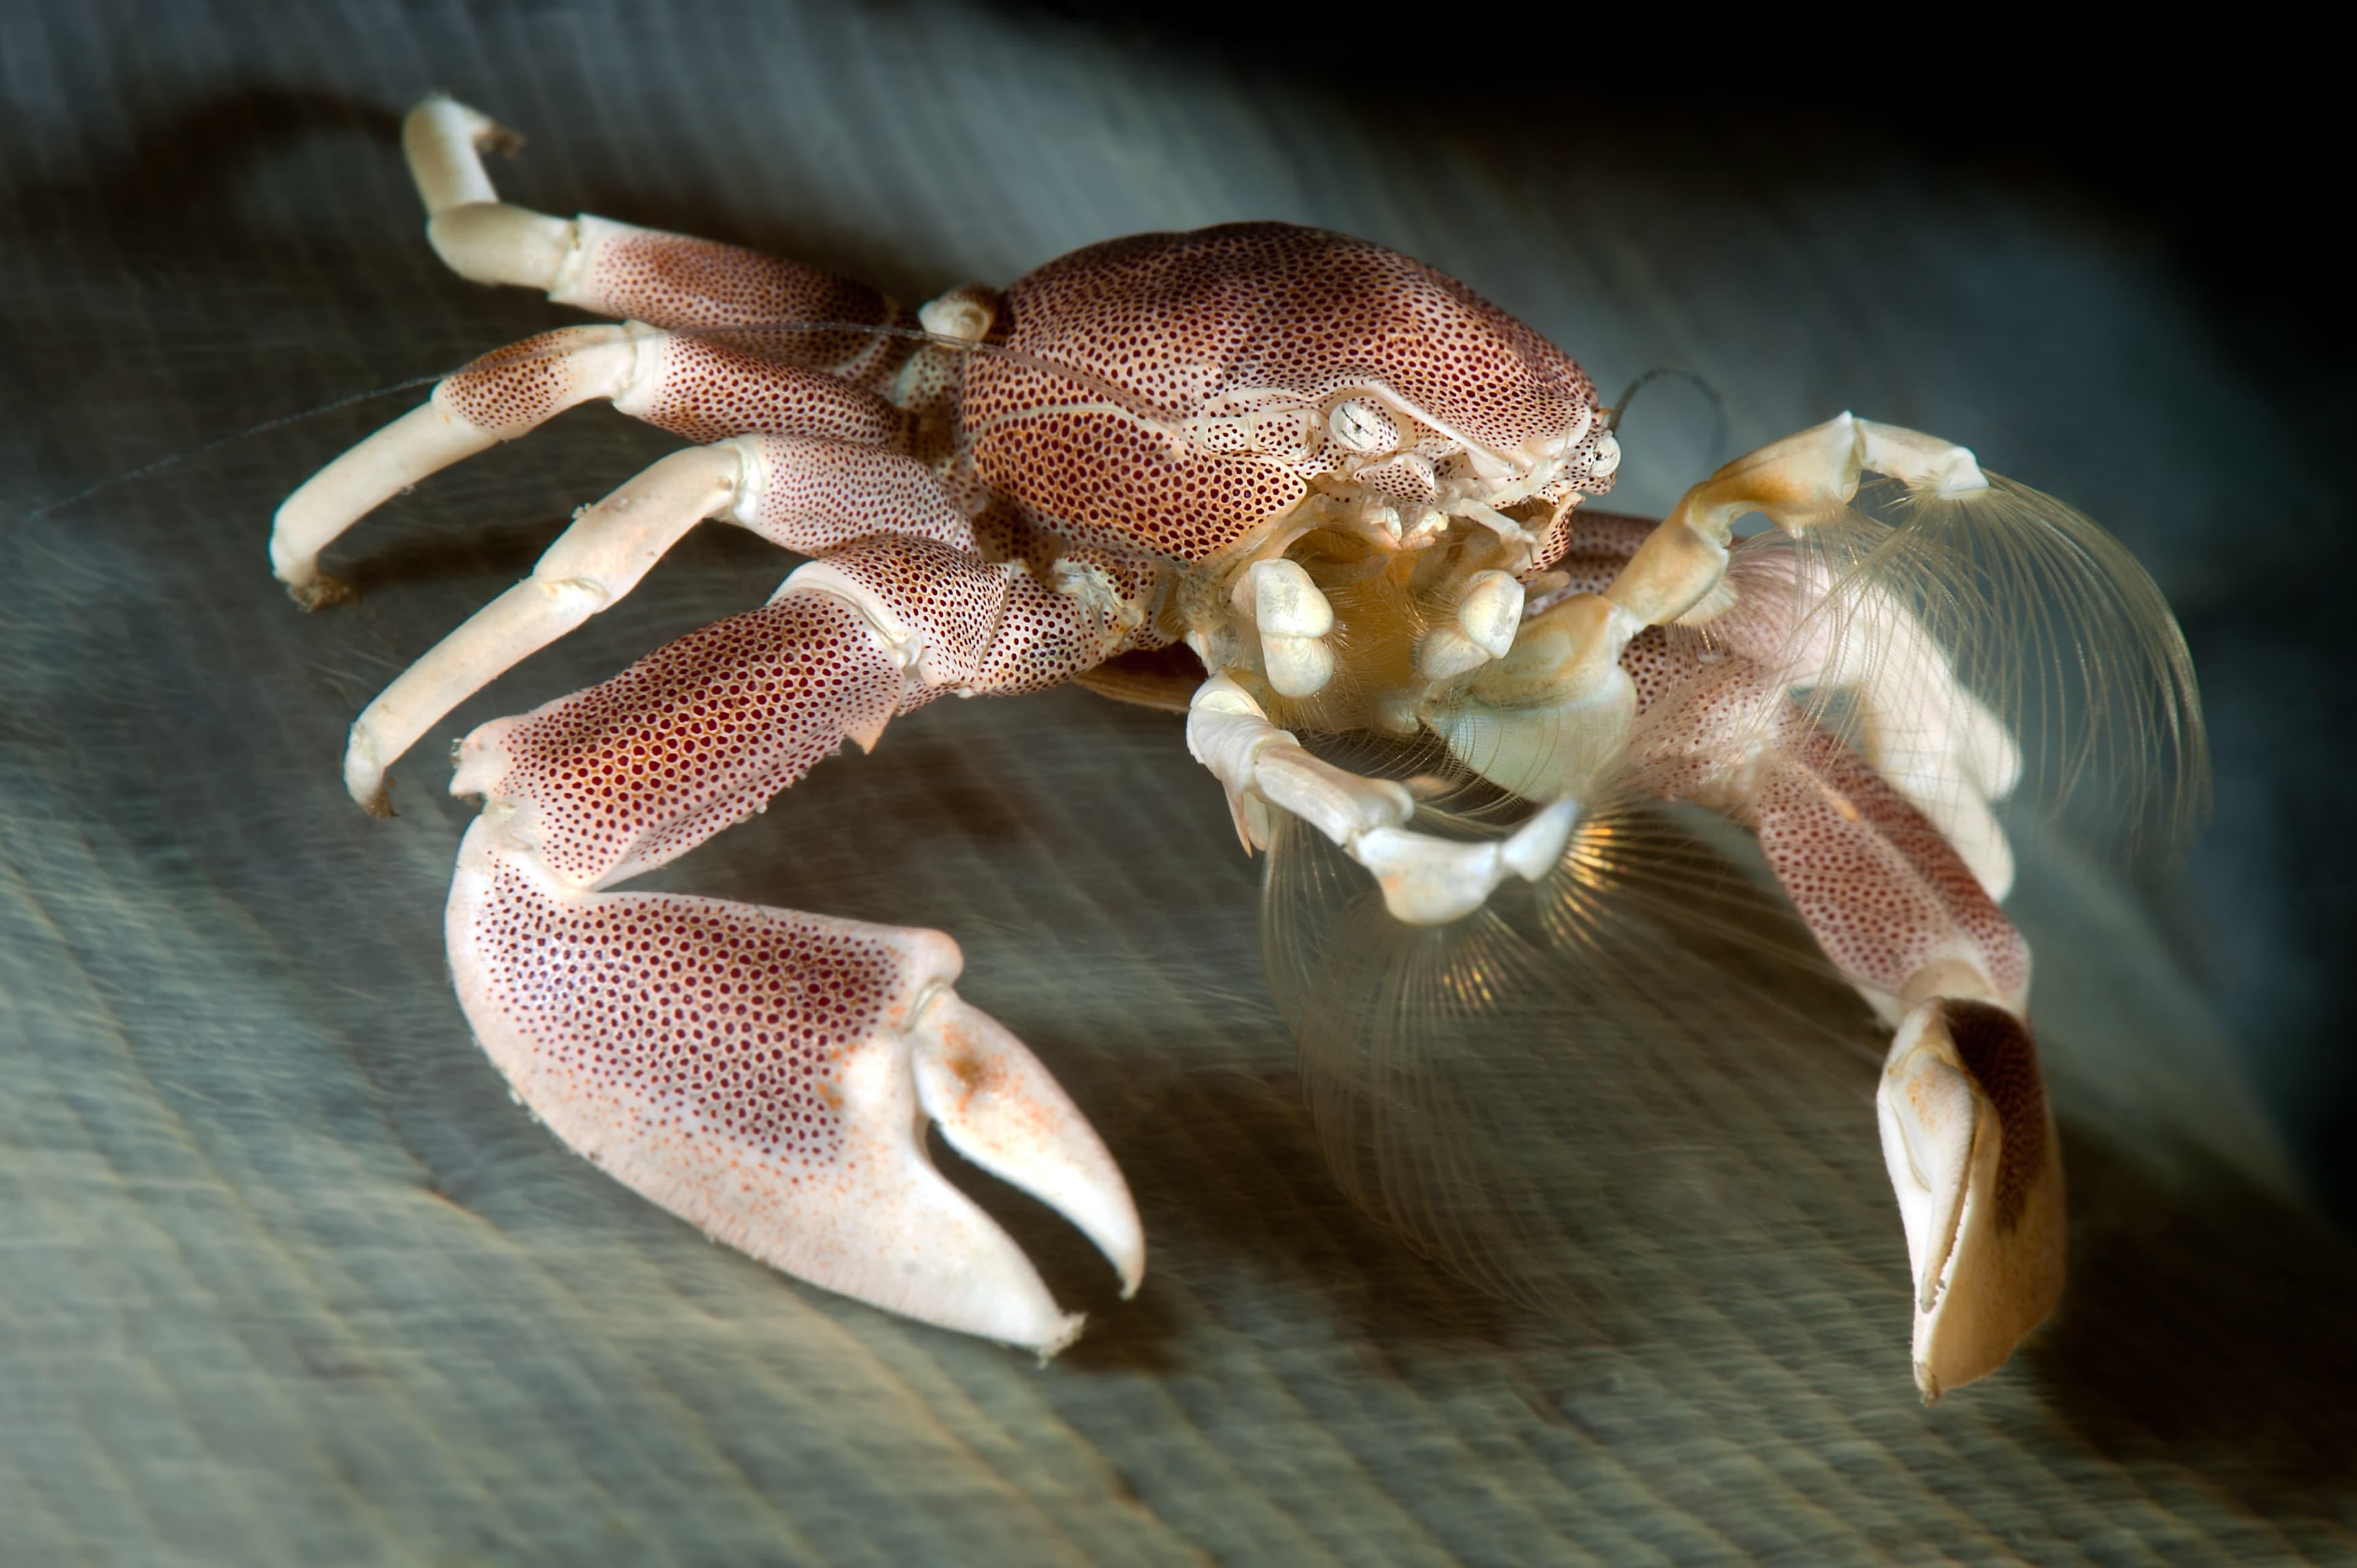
283, 1276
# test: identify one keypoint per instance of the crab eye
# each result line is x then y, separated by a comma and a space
1363, 427
1608, 457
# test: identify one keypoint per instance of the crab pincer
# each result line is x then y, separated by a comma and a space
765, 1074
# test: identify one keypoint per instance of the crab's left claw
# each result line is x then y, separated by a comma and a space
767, 1075
1973, 1158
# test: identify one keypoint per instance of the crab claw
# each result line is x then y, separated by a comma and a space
767, 1074
1973, 1158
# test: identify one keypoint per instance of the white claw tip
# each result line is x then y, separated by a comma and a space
1978, 1184
1443, 653
1491, 611
1538, 844
1296, 666
1287, 603
1291, 614
1063, 1338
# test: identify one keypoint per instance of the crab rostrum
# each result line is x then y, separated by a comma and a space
1337, 480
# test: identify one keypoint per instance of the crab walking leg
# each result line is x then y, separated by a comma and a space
1425, 881
1917, 725
1923, 716
699, 390
763, 1073
619, 270
698, 734
807, 495
1966, 1135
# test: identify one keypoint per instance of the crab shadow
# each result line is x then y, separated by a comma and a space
2204, 1331
2206, 1324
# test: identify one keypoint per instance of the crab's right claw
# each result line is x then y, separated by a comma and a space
767, 1075
1972, 1158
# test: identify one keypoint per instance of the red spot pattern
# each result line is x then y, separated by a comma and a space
1653, 667
1045, 637
989, 627
672, 280
694, 1016
704, 391
1554, 544
1176, 320
515, 387
1403, 479
1604, 535
1879, 885
1701, 717
1883, 891
818, 495
710, 391
695, 736
704, 1016
1104, 480
953, 599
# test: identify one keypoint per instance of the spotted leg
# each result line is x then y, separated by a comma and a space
1966, 1135
765, 1074
711, 346
1915, 722
808, 494
758, 302
693, 388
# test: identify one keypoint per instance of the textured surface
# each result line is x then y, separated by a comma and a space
1278, 321
288, 1279
698, 734
699, 391
675, 280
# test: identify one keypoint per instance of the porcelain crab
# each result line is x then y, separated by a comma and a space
1294, 485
